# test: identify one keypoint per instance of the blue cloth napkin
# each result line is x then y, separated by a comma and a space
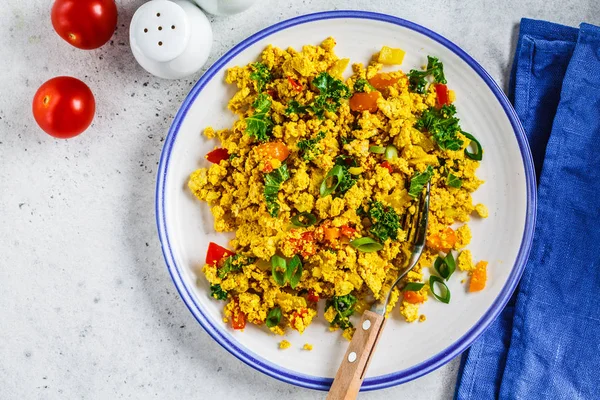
546, 342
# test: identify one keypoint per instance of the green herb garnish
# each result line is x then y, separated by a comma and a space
413, 287
417, 81
331, 93
234, 263
273, 317
384, 221
445, 266
259, 125
444, 293
293, 271
442, 125
286, 271
478, 155
295, 108
453, 180
341, 181
304, 219
360, 84
273, 181
309, 148
344, 307
366, 244
419, 180
261, 75
217, 292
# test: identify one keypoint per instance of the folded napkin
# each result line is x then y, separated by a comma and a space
546, 342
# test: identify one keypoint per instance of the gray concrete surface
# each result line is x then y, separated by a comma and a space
87, 308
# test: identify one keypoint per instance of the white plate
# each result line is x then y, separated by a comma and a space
405, 351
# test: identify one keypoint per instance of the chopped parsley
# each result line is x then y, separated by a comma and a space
217, 292
261, 75
417, 81
273, 181
385, 222
234, 263
295, 108
453, 180
360, 84
344, 308
331, 93
309, 148
442, 125
259, 125
419, 180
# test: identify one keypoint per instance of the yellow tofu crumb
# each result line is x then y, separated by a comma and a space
482, 210
307, 346
465, 261
284, 344
422, 318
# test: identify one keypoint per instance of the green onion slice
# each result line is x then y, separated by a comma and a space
445, 266
478, 155
337, 174
304, 216
278, 263
273, 317
391, 152
293, 271
413, 287
366, 245
377, 149
444, 293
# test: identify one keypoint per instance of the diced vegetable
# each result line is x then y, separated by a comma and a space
312, 296
442, 125
295, 84
273, 150
273, 181
238, 319
387, 166
355, 170
391, 56
385, 222
331, 234
413, 287
259, 125
366, 245
441, 92
309, 148
339, 67
261, 75
419, 180
453, 181
216, 253
348, 231
217, 292
344, 308
382, 80
443, 241
413, 297
273, 317
377, 149
417, 81
445, 266
439, 289
364, 101
331, 93
217, 155
304, 219
479, 277
391, 152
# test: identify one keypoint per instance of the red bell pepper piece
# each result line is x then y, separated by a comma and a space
387, 165
216, 253
443, 99
217, 155
295, 84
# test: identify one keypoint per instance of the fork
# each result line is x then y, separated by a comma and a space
351, 372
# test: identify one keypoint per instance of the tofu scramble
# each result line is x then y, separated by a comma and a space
315, 178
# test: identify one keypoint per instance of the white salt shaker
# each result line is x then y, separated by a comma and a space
224, 7
170, 39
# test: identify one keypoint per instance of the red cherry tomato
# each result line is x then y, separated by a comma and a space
312, 296
85, 24
216, 253
64, 107
217, 155
442, 94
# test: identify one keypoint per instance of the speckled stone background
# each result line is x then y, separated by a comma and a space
87, 308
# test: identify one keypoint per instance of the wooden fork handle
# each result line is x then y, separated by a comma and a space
351, 373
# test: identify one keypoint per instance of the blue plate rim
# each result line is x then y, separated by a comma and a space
320, 383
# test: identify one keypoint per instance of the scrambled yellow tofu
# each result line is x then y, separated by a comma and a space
316, 177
